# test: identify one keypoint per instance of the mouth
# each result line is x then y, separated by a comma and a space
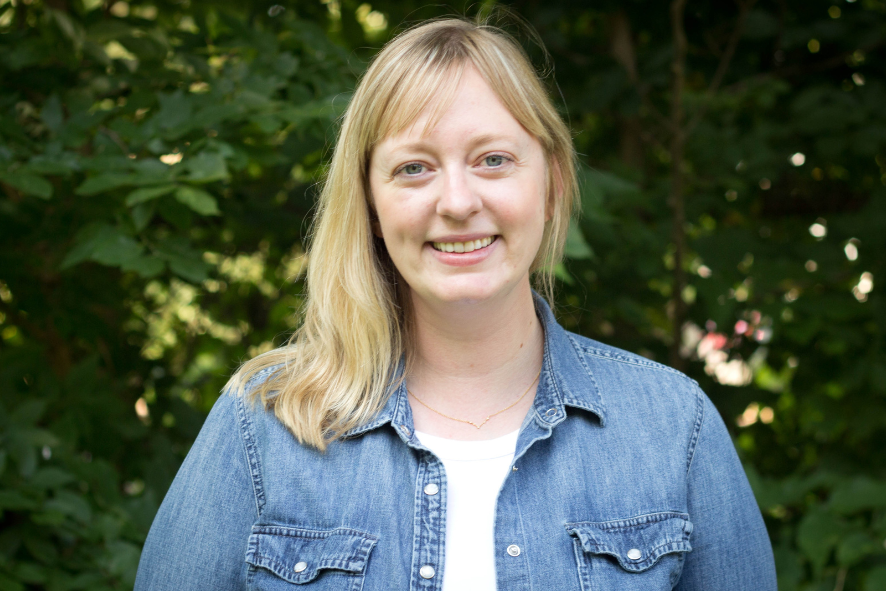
469, 246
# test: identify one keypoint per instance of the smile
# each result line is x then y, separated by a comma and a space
469, 246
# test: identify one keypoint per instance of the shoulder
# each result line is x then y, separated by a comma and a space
632, 389
627, 364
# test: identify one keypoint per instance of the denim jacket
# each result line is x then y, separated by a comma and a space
624, 478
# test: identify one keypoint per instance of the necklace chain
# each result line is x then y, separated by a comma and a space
486, 420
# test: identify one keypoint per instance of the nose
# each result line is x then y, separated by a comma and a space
458, 200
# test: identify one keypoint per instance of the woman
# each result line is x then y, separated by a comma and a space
431, 426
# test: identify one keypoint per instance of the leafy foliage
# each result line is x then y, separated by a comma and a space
156, 166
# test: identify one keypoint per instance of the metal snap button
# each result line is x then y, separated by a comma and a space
551, 412
514, 550
634, 554
431, 489
300, 566
427, 572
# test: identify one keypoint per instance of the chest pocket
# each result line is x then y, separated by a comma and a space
281, 557
643, 553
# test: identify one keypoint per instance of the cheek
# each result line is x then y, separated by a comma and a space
399, 221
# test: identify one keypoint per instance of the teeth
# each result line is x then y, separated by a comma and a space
469, 246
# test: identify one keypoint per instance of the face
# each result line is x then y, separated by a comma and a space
461, 206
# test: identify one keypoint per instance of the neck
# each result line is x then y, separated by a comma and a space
473, 359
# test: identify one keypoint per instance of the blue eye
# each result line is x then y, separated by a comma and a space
413, 168
494, 160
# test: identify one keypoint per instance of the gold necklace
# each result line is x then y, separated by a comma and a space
486, 420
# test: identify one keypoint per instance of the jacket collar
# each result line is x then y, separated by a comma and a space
566, 380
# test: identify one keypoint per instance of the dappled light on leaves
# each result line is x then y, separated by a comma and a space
159, 164
851, 250
864, 287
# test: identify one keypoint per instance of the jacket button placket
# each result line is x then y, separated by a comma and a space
430, 520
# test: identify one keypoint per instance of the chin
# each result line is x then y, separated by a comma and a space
469, 292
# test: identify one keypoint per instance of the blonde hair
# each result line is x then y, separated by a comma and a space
336, 371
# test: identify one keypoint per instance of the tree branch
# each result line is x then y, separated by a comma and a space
677, 197
725, 61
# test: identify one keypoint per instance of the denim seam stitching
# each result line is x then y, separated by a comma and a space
630, 522
247, 436
522, 529
678, 546
632, 361
696, 431
578, 350
312, 534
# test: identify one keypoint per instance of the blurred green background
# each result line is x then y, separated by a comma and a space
158, 167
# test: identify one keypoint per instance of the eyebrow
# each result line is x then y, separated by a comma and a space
425, 145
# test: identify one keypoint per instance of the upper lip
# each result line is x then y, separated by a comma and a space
462, 237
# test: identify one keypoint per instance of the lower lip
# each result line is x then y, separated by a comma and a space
463, 259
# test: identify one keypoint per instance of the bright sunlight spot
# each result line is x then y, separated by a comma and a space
864, 287
141, 408
798, 159
818, 230
749, 416
851, 250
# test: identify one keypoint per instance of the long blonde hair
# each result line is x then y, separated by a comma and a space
336, 370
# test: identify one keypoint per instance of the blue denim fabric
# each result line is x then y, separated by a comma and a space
624, 478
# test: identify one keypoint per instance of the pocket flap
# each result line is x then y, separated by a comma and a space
636, 543
298, 555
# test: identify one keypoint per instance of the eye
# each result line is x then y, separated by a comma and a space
494, 160
413, 168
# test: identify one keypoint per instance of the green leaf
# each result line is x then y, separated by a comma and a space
183, 260
598, 186
576, 245
30, 572
7, 584
206, 167
194, 270
107, 181
141, 215
116, 249
104, 182
148, 193
876, 579
856, 547
198, 200
175, 110
858, 494
27, 183
562, 274
52, 114
104, 244
146, 266
28, 413
46, 478
817, 535
61, 166
122, 560
12, 500
68, 503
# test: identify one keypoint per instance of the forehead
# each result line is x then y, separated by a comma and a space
462, 102
425, 94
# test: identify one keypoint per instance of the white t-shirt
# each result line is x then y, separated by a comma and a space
475, 471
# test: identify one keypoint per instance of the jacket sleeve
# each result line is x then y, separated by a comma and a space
730, 546
198, 539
